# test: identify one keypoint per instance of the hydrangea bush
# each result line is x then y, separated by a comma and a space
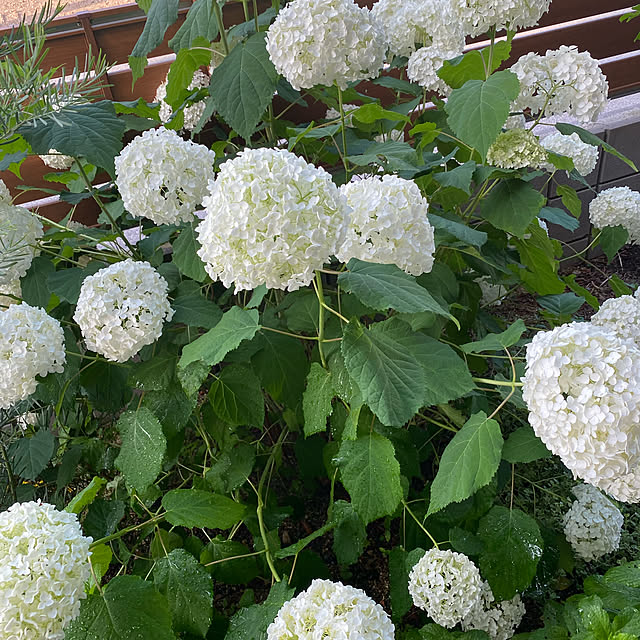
277, 387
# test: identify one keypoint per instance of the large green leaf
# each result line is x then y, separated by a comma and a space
497, 341
612, 239
523, 445
182, 69
129, 608
512, 206
143, 448
236, 396
385, 286
474, 65
34, 285
468, 462
390, 378
86, 496
242, 87
316, 401
199, 22
185, 255
350, 534
197, 508
29, 456
188, 589
370, 473
195, 310
236, 325
92, 130
513, 548
477, 110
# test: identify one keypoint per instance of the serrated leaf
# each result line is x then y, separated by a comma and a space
185, 255
242, 87
182, 69
497, 341
196, 311
523, 445
239, 566
316, 400
129, 608
372, 112
477, 110
34, 285
350, 534
86, 496
102, 518
392, 154
66, 283
400, 565
232, 468
236, 396
30, 456
561, 303
570, 199
200, 21
143, 448
235, 326
474, 65
197, 508
559, 217
92, 130
370, 473
468, 462
188, 589
612, 239
458, 230
513, 548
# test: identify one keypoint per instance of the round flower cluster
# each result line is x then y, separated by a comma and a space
388, 224
516, 149
582, 389
446, 584
271, 219
191, 114
617, 206
563, 81
620, 316
478, 16
19, 233
31, 344
334, 114
163, 177
593, 524
57, 161
498, 620
45, 563
411, 24
331, 610
5, 195
424, 64
584, 156
325, 42
122, 308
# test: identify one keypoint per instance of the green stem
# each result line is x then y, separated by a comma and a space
406, 506
122, 532
344, 134
10, 477
223, 33
498, 383
491, 47
255, 15
320, 293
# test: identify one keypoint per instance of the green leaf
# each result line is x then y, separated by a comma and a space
570, 199
185, 255
562, 303
497, 341
31, 455
182, 69
155, 374
350, 534
244, 84
370, 473
235, 326
458, 230
385, 286
101, 556
619, 286
102, 518
316, 401
161, 15
250, 623
143, 448
513, 548
559, 217
468, 462
232, 468
236, 397
66, 283
388, 375
400, 565
86, 496
239, 566
474, 64
200, 21
458, 177
372, 112
477, 110
612, 239
523, 445
129, 608
92, 130
394, 155
197, 508
35, 289
188, 589
297, 547
512, 205
590, 299
196, 311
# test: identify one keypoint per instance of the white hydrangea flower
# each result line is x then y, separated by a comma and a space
45, 563
593, 524
446, 584
620, 316
20, 231
492, 294
191, 114
582, 388
334, 114
5, 196
516, 149
584, 156
325, 42
162, 177
8, 293
331, 610
563, 81
31, 344
122, 308
424, 64
133, 236
388, 224
395, 135
57, 161
412, 24
272, 219
617, 206
498, 620
516, 121
478, 16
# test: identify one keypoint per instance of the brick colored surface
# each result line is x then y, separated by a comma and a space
11, 11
